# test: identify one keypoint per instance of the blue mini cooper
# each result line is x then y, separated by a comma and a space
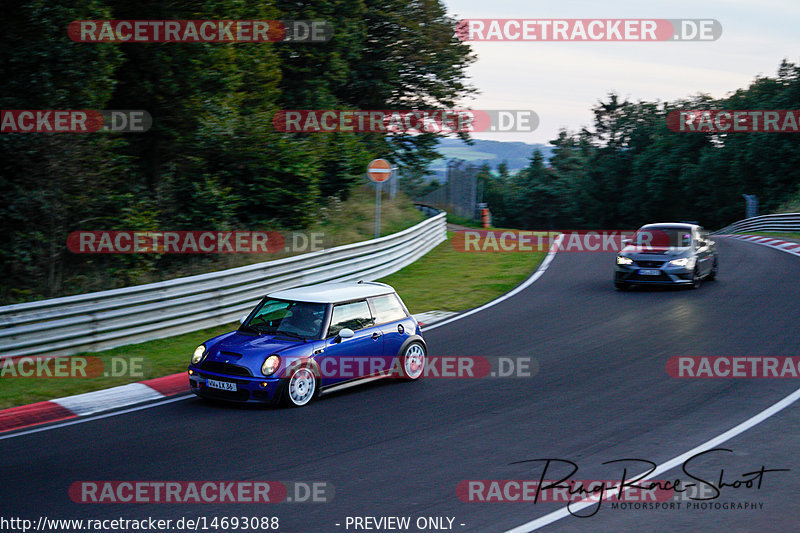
299, 343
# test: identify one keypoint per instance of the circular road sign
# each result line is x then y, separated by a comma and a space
379, 170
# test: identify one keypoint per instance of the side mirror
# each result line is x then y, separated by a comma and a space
241, 320
346, 333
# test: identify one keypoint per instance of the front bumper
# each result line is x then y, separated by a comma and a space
667, 275
248, 390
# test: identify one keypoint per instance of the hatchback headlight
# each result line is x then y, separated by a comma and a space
199, 352
270, 365
622, 260
687, 262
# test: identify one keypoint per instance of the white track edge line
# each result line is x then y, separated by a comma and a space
519, 288
672, 463
82, 419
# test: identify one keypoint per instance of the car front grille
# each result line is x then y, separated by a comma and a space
638, 277
650, 264
230, 369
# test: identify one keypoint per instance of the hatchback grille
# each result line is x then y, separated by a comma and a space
638, 277
650, 264
226, 368
238, 381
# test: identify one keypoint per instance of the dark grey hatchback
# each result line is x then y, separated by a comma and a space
667, 254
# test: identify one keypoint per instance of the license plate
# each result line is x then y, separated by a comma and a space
649, 272
221, 385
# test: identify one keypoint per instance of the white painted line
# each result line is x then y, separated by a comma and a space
547, 519
102, 400
525, 284
96, 417
430, 317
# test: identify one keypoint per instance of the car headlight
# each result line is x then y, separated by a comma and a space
622, 260
270, 365
687, 262
199, 352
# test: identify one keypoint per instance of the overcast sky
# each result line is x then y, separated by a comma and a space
561, 81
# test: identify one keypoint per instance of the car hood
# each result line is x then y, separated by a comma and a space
655, 253
251, 350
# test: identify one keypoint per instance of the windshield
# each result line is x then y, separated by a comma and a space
662, 238
293, 319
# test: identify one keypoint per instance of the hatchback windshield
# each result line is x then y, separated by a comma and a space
662, 238
293, 319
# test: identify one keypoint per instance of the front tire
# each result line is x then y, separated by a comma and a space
696, 280
713, 274
412, 361
301, 388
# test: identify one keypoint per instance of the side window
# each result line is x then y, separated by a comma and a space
354, 315
387, 308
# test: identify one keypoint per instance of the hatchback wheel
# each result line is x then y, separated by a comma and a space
302, 387
412, 361
713, 274
696, 279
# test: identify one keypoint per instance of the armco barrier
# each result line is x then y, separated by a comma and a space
101, 320
788, 222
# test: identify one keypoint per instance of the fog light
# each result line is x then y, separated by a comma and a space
191, 372
264, 384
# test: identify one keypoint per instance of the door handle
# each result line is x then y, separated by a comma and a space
376, 336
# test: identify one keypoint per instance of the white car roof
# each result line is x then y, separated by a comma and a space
332, 292
676, 225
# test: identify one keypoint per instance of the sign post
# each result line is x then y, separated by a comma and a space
378, 170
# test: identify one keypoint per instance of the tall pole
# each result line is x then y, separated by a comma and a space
393, 183
378, 209
378, 170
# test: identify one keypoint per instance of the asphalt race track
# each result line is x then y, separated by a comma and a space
602, 393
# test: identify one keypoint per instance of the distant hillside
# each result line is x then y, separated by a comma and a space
516, 154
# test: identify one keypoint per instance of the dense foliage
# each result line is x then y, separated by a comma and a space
212, 159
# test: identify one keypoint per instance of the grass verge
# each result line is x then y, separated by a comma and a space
449, 280
443, 279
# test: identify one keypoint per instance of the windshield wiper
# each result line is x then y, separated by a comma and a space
250, 328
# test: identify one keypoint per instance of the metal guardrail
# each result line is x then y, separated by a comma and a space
788, 222
107, 319
427, 210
